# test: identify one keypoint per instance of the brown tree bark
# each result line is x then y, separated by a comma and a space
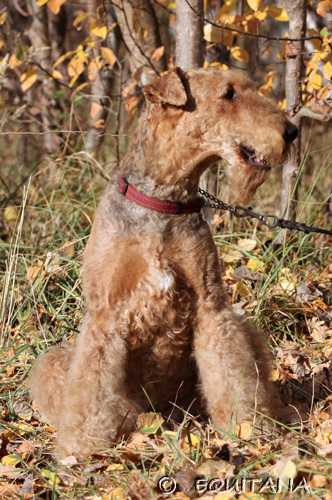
296, 10
40, 41
140, 33
101, 88
189, 51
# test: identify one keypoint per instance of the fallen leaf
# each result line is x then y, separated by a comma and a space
26, 447
285, 469
69, 461
22, 410
244, 431
67, 250
11, 214
149, 423
34, 271
318, 330
246, 244
11, 459
51, 476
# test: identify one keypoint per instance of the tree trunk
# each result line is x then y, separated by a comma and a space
101, 88
39, 37
140, 33
296, 10
189, 51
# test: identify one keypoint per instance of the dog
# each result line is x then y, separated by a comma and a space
158, 325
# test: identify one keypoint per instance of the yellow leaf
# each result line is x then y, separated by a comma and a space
24, 428
99, 123
224, 67
51, 476
63, 58
172, 6
283, 104
315, 43
315, 80
240, 54
11, 460
76, 65
80, 87
79, 19
324, 415
41, 2
255, 264
3, 18
319, 56
225, 8
55, 5
267, 87
262, 13
323, 92
11, 214
56, 74
1, 44
100, 31
254, 4
108, 55
149, 423
116, 494
93, 68
241, 289
328, 70
28, 79
244, 431
192, 439
278, 13
218, 35
73, 81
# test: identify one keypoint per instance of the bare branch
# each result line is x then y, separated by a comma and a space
305, 111
255, 35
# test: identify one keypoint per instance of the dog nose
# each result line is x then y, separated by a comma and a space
291, 133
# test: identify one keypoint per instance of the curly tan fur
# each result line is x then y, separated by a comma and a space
156, 312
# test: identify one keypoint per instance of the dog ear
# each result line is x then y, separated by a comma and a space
168, 89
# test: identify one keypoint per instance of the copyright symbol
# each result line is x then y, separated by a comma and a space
167, 485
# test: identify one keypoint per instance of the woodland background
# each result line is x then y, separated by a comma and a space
71, 74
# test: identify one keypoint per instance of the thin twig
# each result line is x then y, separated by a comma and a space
255, 35
62, 132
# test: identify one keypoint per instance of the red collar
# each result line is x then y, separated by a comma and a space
163, 206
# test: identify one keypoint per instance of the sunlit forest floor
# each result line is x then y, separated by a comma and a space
284, 285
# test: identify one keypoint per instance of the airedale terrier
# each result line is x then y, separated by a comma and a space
158, 321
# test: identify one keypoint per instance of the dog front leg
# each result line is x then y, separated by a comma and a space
233, 365
95, 405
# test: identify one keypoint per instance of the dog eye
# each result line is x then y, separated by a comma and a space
230, 95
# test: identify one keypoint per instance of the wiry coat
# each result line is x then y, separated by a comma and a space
156, 312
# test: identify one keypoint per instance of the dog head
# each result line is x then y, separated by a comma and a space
196, 118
